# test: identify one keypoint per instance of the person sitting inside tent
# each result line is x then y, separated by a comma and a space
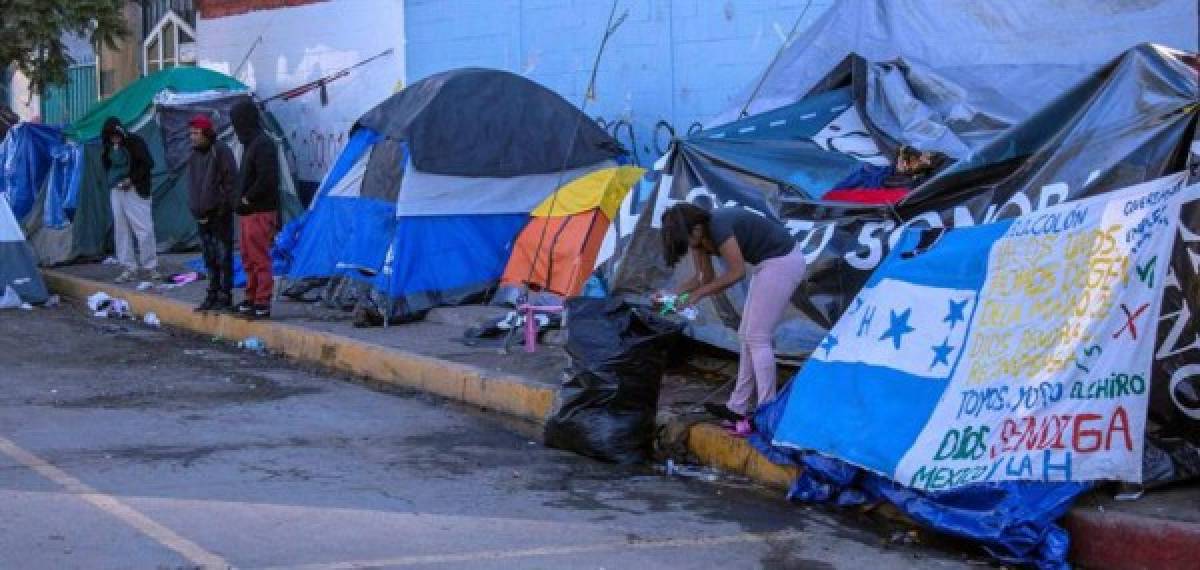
873, 184
258, 208
127, 169
739, 237
212, 174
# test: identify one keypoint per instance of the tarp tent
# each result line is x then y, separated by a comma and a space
428, 196
157, 108
18, 267
25, 162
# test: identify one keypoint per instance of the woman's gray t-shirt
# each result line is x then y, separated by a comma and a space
759, 238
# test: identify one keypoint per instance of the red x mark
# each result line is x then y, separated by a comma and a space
1129, 324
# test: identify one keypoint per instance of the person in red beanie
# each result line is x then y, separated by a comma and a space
212, 195
257, 208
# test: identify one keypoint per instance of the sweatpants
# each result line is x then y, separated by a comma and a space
257, 235
133, 221
771, 287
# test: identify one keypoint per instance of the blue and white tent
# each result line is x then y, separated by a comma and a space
18, 267
426, 200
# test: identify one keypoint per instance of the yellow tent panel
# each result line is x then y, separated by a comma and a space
604, 189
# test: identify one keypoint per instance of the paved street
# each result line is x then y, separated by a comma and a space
128, 447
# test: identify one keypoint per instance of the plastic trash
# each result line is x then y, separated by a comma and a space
26, 307
691, 472
606, 405
145, 285
185, 278
151, 319
52, 301
252, 343
110, 261
98, 300
10, 299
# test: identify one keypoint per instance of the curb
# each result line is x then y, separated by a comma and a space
504, 393
1121, 541
1098, 539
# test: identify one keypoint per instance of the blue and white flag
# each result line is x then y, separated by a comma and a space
1018, 350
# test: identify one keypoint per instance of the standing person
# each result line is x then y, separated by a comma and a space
212, 195
127, 171
739, 237
257, 208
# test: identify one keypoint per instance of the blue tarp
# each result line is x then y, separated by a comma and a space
26, 158
62, 189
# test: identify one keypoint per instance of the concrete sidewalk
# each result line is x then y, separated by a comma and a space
1155, 532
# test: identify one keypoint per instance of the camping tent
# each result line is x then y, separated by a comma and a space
18, 267
157, 108
557, 251
435, 183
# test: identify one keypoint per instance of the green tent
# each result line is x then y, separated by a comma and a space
157, 108
132, 102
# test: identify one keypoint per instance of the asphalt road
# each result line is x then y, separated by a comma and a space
128, 447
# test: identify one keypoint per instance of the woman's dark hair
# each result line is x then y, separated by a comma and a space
677, 224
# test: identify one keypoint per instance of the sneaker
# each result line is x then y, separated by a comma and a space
154, 275
742, 428
126, 276
207, 305
222, 302
243, 309
721, 411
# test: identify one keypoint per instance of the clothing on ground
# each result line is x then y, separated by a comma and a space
133, 221
258, 233
212, 179
771, 287
759, 238
258, 186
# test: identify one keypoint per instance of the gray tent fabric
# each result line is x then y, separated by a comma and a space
173, 120
424, 194
1007, 58
18, 266
486, 122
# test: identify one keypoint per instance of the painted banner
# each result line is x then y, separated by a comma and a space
1017, 350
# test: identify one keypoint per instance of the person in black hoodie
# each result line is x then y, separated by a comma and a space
127, 170
257, 208
212, 194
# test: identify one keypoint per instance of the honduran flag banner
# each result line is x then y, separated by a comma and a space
1018, 350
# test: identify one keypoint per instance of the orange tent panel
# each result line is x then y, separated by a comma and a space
567, 253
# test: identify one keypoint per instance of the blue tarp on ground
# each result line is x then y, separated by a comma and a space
26, 158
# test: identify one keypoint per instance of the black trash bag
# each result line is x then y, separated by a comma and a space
606, 405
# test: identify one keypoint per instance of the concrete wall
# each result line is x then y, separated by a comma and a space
681, 61
293, 45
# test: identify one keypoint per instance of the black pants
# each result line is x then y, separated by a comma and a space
216, 245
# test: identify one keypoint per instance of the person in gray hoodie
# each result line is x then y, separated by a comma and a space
212, 195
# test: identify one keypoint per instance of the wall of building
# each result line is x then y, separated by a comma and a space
302, 41
680, 61
119, 67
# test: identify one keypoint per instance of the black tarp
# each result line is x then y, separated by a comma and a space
485, 122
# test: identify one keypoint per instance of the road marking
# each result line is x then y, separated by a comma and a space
109, 504
747, 537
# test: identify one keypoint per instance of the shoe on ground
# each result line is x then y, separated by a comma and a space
153, 275
261, 312
222, 303
243, 309
721, 411
207, 305
126, 276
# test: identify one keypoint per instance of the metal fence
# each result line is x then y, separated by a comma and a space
64, 104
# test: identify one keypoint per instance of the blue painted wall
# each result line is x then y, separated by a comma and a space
682, 61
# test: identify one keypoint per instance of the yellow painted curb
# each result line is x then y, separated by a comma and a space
714, 447
465, 383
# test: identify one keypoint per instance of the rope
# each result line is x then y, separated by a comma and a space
786, 42
613, 23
